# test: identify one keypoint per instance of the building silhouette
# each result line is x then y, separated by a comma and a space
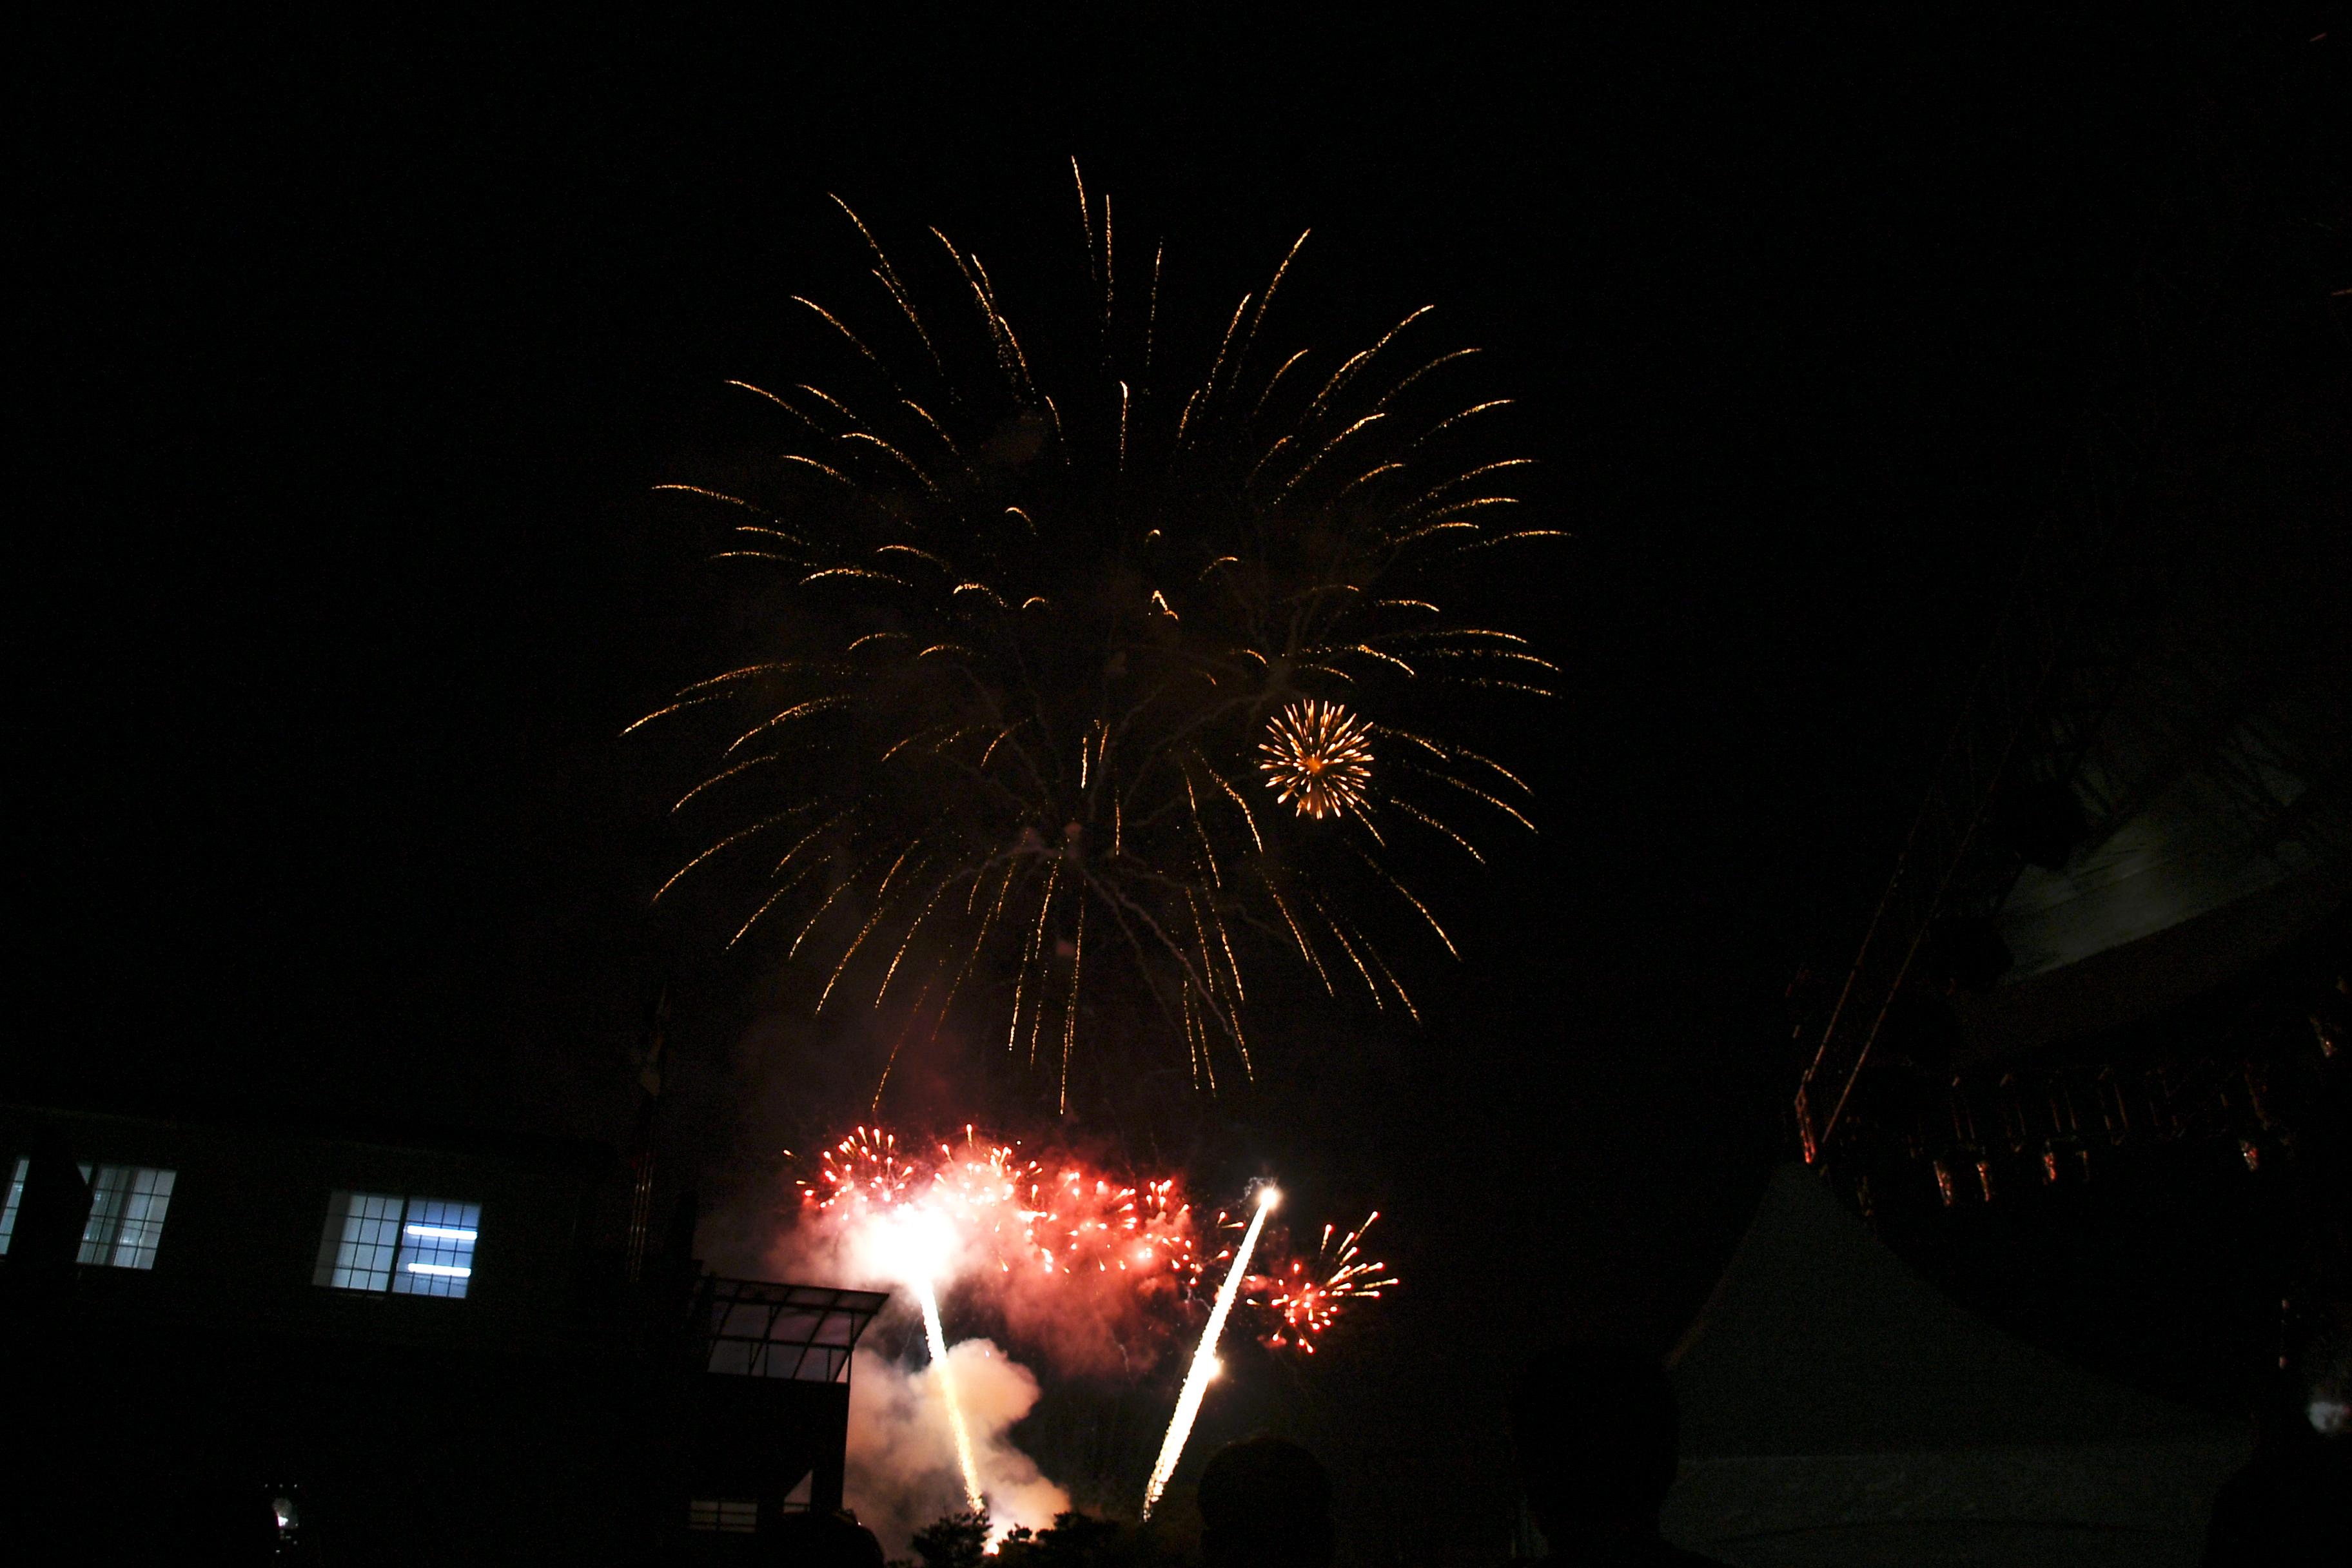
355, 1347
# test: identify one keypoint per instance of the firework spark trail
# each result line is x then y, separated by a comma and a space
1088, 1271
1126, 575
1304, 1305
1083, 1267
1319, 753
937, 1335
1205, 1359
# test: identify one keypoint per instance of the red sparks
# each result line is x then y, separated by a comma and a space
1071, 1254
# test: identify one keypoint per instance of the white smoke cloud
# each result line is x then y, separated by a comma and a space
1071, 1320
902, 1464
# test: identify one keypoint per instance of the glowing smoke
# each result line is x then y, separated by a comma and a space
1083, 1269
912, 1243
1086, 1273
943, 1374
903, 1470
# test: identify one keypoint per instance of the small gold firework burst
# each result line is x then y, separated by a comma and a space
1319, 755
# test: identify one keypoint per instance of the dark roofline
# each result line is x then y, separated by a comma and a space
583, 1155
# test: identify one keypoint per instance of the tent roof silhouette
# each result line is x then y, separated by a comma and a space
1818, 1340
1838, 1408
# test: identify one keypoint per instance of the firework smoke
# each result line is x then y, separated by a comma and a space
1086, 1269
1030, 609
911, 1242
1205, 1359
937, 1338
903, 1468
1089, 1273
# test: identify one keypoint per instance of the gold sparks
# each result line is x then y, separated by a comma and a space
983, 744
1319, 755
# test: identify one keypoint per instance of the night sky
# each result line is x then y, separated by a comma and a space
349, 352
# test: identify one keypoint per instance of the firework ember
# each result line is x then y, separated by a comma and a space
1087, 1269
1319, 754
1095, 1273
1205, 1359
1077, 1261
1307, 1298
1016, 1211
1071, 1248
1029, 608
863, 1168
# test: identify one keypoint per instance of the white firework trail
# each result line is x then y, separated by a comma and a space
1205, 1358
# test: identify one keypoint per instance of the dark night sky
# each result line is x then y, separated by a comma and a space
349, 353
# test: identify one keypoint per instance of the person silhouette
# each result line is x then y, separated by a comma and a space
1595, 1430
824, 1540
1264, 1503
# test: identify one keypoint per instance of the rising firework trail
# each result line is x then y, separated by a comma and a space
915, 1242
937, 1335
1085, 1265
1091, 677
1205, 1359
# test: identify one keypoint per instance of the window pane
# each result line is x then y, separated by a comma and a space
363, 1236
127, 1207
736, 1516
436, 1248
16, 1202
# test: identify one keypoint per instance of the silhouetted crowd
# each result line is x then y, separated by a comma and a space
1595, 1435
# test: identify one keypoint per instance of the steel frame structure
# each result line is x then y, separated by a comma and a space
2055, 665
753, 1328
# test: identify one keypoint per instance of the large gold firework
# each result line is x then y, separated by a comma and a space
1319, 755
1024, 614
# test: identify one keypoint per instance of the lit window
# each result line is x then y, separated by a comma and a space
127, 1205
735, 1516
409, 1246
363, 1238
437, 1248
16, 1202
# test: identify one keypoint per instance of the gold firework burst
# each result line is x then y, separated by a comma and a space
1044, 590
1320, 756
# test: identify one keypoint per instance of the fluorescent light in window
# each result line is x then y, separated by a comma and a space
407, 1245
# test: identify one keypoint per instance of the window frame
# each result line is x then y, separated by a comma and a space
19, 1169
154, 1211
417, 1246
722, 1516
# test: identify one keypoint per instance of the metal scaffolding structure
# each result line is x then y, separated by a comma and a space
2021, 773
755, 1328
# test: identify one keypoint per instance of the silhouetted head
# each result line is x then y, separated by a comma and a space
1595, 1430
1264, 1501
826, 1540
